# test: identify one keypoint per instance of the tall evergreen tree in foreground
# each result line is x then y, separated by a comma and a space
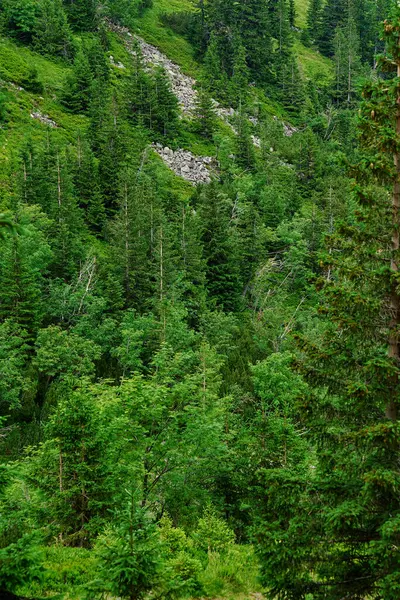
334, 531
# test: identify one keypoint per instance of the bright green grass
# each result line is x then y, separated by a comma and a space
178, 49
15, 61
313, 65
301, 13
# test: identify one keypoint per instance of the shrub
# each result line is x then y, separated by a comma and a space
212, 533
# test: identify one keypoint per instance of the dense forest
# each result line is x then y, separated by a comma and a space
199, 299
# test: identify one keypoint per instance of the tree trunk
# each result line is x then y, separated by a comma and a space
394, 327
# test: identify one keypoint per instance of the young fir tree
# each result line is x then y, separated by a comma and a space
77, 88
205, 114
314, 21
130, 553
82, 14
52, 34
338, 523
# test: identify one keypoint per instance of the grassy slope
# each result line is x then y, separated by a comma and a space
312, 64
20, 127
178, 49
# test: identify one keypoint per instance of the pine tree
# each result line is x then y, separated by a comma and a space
77, 88
82, 14
347, 61
222, 269
292, 13
314, 21
216, 77
165, 108
239, 83
339, 523
334, 14
205, 114
52, 34
245, 154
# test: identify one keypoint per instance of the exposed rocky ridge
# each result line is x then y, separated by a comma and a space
45, 119
183, 86
185, 164
182, 162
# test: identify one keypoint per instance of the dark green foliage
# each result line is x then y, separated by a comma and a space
20, 17
130, 554
175, 394
205, 114
51, 32
82, 14
338, 520
77, 89
222, 269
334, 15
31, 82
245, 154
314, 22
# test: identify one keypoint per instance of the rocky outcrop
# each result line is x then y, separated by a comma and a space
183, 86
118, 65
45, 119
183, 163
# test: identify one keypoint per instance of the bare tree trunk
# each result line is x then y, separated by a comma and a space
394, 346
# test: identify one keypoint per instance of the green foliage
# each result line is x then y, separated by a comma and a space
147, 326
212, 533
20, 562
52, 35
129, 554
20, 17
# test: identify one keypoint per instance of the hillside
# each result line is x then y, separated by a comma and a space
182, 257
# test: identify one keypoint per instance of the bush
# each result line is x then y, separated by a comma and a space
212, 533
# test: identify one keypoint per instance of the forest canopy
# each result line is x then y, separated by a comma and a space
199, 299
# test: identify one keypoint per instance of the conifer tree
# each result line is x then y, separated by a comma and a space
82, 14
239, 83
339, 523
347, 61
314, 21
205, 114
222, 269
245, 155
77, 88
334, 14
217, 78
52, 34
292, 13
165, 109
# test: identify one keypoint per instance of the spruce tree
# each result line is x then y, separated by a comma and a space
205, 114
292, 13
334, 14
338, 522
77, 88
347, 61
314, 21
82, 14
239, 83
52, 34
